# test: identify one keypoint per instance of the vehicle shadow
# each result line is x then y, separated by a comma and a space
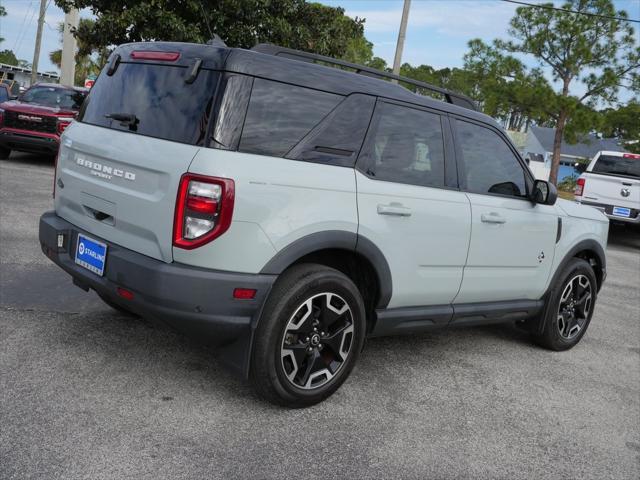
625, 236
32, 159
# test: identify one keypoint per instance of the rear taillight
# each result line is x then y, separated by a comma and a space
1, 117
203, 210
63, 122
579, 187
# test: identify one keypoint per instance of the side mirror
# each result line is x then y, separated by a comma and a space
544, 192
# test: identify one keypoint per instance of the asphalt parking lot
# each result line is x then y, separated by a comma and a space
86, 392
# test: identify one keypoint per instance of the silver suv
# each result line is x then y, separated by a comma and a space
284, 211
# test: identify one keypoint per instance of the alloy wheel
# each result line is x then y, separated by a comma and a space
317, 340
574, 307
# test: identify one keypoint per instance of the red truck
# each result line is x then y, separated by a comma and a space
35, 120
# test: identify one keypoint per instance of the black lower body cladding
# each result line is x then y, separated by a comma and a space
196, 301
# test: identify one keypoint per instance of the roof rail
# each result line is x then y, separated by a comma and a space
449, 96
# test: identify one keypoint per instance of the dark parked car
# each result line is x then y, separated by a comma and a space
35, 120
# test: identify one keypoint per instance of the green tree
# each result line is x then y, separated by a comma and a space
240, 23
591, 48
624, 123
85, 63
8, 57
504, 88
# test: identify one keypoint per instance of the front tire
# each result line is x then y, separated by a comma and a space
309, 336
570, 307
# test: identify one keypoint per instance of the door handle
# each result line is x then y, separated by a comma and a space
492, 217
394, 208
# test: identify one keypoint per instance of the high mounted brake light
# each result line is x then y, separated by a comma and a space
151, 55
579, 187
204, 208
631, 155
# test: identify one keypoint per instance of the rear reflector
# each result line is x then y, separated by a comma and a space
151, 55
244, 293
124, 293
579, 187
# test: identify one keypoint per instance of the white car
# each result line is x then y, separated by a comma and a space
284, 211
611, 183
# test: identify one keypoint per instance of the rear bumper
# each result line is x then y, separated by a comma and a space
27, 141
196, 301
608, 211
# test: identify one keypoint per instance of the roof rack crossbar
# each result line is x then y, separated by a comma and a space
449, 96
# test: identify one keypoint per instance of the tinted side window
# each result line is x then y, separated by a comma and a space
405, 145
280, 115
338, 138
490, 165
230, 111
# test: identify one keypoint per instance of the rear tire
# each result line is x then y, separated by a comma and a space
4, 153
309, 336
570, 307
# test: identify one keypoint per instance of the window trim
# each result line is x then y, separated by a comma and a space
449, 158
461, 167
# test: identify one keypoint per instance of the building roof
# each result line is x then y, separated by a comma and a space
15, 68
587, 146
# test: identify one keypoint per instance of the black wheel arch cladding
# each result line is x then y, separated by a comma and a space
336, 239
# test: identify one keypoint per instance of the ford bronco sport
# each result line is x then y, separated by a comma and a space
284, 211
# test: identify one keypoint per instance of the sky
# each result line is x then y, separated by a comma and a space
437, 34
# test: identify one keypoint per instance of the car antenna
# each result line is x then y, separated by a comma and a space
206, 21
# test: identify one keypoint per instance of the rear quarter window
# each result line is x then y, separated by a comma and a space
164, 105
280, 115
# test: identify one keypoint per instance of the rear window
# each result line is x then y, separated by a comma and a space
54, 97
280, 115
156, 99
613, 165
4, 94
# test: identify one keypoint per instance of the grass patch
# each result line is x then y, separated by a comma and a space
566, 195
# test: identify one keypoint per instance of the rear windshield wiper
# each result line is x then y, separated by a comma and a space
125, 119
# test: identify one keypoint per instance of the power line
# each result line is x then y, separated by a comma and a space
549, 7
24, 19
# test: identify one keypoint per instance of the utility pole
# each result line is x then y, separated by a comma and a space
36, 52
397, 61
68, 64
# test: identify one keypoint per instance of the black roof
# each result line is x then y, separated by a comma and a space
291, 71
